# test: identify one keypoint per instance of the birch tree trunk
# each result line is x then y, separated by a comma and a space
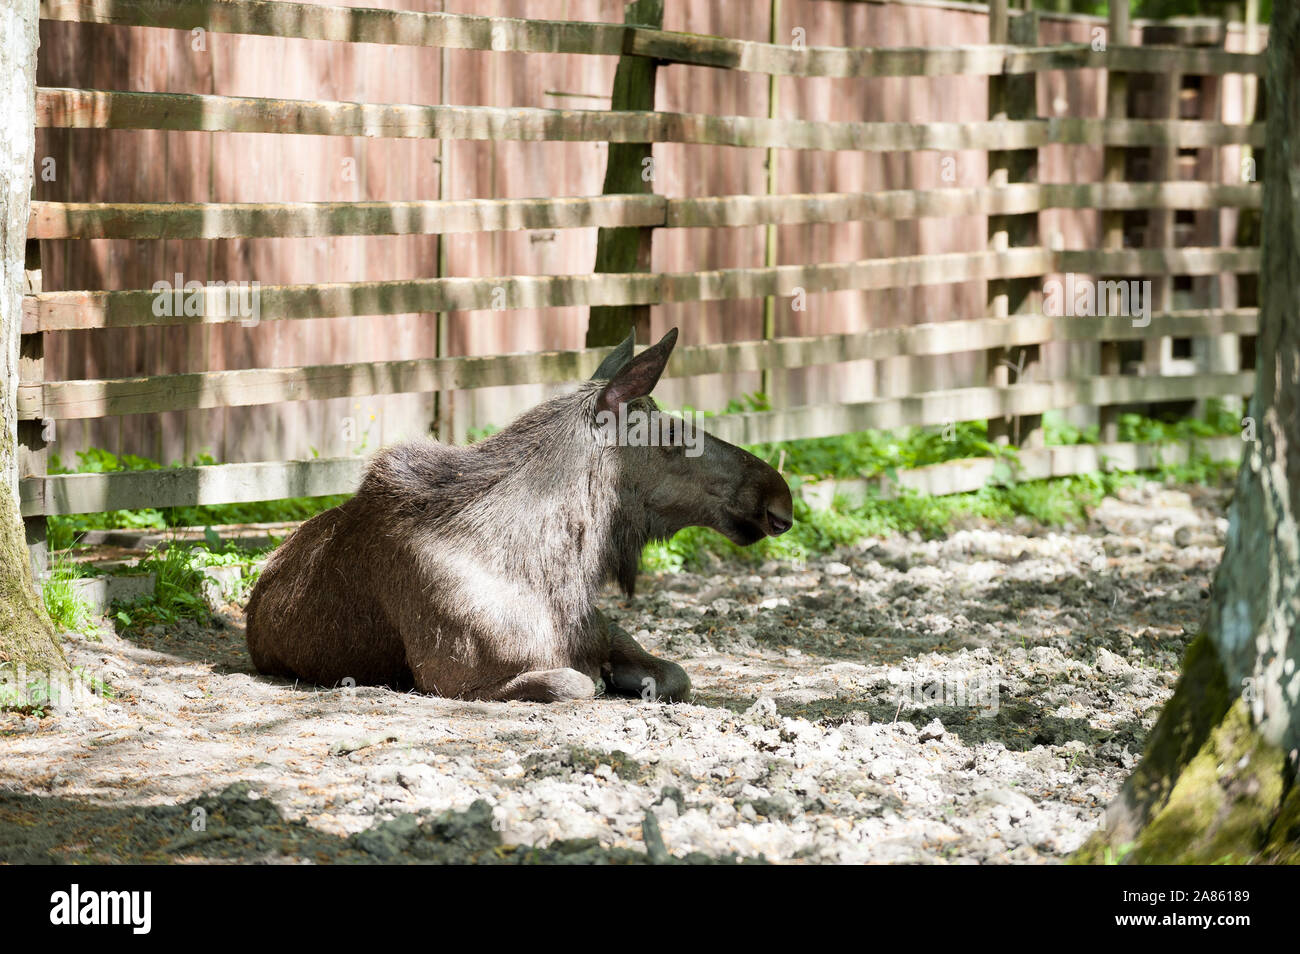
26, 636
1217, 782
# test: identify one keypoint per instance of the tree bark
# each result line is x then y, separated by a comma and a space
1217, 781
26, 636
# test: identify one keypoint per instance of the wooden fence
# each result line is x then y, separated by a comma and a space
1015, 262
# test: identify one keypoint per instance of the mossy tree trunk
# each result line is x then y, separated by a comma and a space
26, 636
1217, 782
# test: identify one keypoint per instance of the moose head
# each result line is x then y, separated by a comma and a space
673, 473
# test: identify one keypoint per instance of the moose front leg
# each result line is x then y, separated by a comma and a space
631, 671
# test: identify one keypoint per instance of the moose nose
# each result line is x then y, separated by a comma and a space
778, 523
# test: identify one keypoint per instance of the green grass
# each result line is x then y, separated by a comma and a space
179, 584
1056, 502
67, 611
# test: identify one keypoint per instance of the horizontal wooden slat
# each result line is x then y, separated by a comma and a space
965, 404
1135, 59
968, 474
743, 210
162, 220
193, 220
103, 109
348, 24
986, 60
56, 311
83, 399
190, 486
1159, 261
907, 271
274, 480
63, 311
843, 62
460, 31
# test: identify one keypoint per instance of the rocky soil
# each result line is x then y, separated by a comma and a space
974, 699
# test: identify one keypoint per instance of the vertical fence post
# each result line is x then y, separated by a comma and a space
1115, 171
1013, 98
628, 249
444, 401
32, 448
770, 233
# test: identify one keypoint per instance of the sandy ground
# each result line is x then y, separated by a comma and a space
974, 699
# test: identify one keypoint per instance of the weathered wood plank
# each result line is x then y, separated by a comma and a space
969, 474
754, 57
83, 399
1172, 261
939, 407
191, 486
348, 24
469, 32
123, 309
103, 109
785, 280
71, 310
1133, 59
272, 480
196, 220
745, 210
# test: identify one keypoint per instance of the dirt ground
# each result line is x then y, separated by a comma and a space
974, 699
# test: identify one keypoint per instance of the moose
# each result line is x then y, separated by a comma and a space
473, 572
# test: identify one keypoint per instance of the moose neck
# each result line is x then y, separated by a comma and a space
554, 514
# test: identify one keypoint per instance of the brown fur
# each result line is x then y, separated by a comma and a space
472, 572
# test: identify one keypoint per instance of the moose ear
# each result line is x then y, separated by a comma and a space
639, 376
615, 360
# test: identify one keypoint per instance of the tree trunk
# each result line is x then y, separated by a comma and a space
26, 636
1217, 781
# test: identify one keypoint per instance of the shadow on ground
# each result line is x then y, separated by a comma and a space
236, 826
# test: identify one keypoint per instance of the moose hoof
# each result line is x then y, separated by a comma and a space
548, 685
673, 684
662, 681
